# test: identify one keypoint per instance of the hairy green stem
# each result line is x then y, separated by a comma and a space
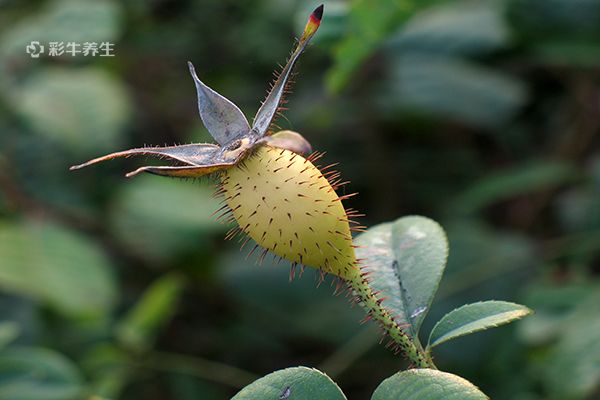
412, 350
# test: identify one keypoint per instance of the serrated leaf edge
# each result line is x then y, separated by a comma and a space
525, 311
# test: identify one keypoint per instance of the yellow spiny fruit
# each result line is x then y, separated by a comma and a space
286, 205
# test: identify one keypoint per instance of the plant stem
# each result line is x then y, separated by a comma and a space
199, 367
349, 352
403, 342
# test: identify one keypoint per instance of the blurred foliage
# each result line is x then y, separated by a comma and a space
56, 267
483, 115
34, 373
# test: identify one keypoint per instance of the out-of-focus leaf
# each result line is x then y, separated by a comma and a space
406, 259
453, 88
578, 208
481, 254
594, 171
302, 309
465, 27
24, 313
9, 330
572, 369
559, 32
185, 387
141, 325
84, 109
475, 317
299, 383
568, 52
553, 304
566, 323
369, 23
557, 17
64, 21
427, 384
38, 374
109, 368
579, 213
37, 164
157, 218
55, 266
514, 181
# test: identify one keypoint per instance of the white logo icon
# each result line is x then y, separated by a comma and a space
34, 49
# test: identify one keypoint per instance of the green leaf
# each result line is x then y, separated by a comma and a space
427, 384
38, 374
406, 259
159, 218
511, 182
568, 52
56, 266
475, 317
570, 369
140, 326
482, 255
453, 88
369, 24
559, 32
578, 208
9, 330
84, 109
553, 304
557, 17
299, 383
464, 27
109, 367
301, 308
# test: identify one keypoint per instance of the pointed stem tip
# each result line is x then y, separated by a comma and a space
318, 13
312, 25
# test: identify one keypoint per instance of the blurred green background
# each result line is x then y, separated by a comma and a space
484, 115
